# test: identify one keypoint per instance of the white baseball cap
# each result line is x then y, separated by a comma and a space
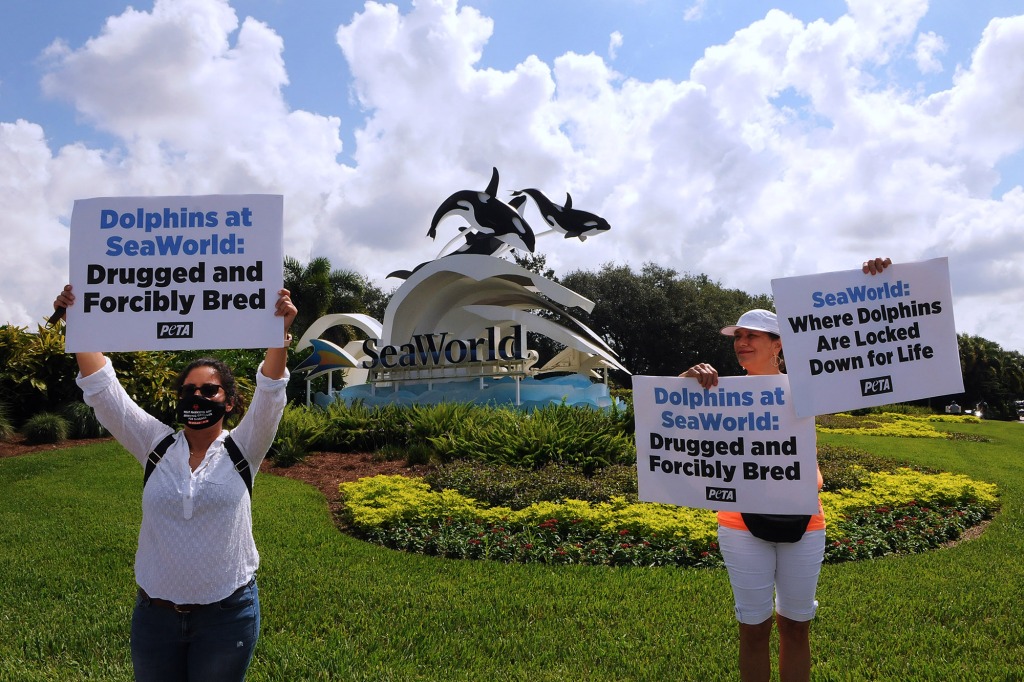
758, 320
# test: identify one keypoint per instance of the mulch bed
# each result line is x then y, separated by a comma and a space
325, 471
16, 445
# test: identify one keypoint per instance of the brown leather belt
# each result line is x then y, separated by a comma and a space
163, 603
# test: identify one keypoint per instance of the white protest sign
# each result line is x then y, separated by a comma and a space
736, 447
176, 273
853, 340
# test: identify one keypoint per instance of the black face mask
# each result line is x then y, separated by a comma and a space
198, 412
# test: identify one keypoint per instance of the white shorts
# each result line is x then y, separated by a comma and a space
759, 570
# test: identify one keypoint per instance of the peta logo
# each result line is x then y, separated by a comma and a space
876, 386
174, 330
720, 494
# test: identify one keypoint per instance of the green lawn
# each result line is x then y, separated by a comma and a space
335, 608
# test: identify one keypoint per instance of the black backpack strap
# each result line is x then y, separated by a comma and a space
240, 462
154, 457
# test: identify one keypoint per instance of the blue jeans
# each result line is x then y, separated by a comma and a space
213, 643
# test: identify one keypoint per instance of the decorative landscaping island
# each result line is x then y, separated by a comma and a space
561, 514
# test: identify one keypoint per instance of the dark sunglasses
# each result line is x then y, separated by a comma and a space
206, 390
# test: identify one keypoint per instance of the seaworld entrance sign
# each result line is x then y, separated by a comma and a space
430, 350
457, 328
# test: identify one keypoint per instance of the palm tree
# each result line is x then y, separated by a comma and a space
319, 290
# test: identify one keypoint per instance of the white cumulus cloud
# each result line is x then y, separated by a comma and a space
784, 151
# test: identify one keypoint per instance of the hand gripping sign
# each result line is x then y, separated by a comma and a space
176, 273
852, 340
736, 447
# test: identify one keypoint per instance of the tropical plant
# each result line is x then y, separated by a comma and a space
300, 430
148, 378
511, 486
35, 373
45, 427
6, 427
564, 434
81, 419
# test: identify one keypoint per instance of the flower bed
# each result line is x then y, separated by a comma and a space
890, 424
890, 513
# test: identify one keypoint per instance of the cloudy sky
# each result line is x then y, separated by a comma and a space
743, 139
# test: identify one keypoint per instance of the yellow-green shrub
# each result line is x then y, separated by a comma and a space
392, 500
389, 500
889, 424
905, 486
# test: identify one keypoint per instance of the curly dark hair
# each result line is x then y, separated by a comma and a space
227, 382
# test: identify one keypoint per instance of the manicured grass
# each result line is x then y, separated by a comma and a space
336, 608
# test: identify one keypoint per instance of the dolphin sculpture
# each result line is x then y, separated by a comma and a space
565, 219
488, 216
325, 357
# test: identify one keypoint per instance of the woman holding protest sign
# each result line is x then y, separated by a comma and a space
197, 614
773, 556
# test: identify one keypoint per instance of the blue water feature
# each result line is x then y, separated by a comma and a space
573, 389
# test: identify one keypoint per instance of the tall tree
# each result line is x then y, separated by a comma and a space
658, 322
991, 375
535, 262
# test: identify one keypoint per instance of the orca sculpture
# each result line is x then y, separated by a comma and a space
565, 219
488, 216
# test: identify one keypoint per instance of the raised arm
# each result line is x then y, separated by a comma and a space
88, 363
275, 364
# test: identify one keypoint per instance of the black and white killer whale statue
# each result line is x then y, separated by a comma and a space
487, 215
476, 243
495, 226
569, 221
